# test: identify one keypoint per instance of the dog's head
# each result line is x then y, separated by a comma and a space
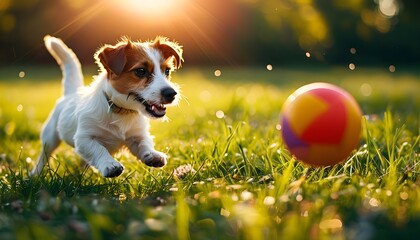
139, 74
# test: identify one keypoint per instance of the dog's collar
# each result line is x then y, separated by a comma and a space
117, 109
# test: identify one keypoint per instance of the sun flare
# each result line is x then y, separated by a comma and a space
158, 9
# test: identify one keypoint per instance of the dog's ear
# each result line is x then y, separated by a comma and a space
169, 49
113, 58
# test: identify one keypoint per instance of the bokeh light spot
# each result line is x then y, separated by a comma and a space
373, 202
205, 96
366, 89
391, 68
352, 66
220, 114
269, 200
389, 8
404, 195
217, 73
330, 224
269, 67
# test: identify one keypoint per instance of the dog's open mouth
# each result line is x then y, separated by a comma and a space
156, 110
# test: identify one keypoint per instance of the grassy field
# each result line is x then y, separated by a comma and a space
229, 175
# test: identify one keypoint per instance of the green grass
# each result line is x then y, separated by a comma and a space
245, 184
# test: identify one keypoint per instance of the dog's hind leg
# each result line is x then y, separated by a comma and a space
49, 140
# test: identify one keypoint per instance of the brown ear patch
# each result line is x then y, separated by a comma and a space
169, 49
113, 58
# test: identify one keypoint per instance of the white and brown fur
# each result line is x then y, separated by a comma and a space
132, 86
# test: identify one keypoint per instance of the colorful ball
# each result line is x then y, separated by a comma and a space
321, 124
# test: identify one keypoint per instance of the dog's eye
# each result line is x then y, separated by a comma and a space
167, 71
141, 72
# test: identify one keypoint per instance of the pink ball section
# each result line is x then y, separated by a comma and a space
321, 124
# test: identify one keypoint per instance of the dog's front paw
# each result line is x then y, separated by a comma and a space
154, 159
113, 170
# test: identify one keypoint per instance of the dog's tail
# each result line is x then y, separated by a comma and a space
69, 64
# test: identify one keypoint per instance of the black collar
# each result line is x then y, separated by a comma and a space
117, 109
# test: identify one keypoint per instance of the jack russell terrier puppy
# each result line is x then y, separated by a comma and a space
132, 86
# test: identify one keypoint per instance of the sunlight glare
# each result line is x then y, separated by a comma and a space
158, 9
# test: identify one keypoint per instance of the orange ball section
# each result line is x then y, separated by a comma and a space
321, 124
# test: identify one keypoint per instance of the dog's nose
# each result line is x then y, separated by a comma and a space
168, 94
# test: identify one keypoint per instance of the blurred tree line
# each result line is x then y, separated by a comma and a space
232, 32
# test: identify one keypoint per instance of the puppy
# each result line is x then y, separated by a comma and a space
132, 86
